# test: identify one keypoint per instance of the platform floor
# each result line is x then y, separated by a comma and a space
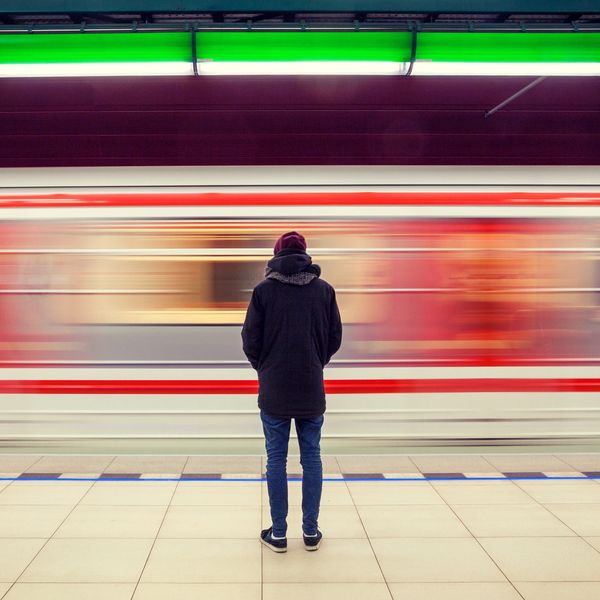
468, 527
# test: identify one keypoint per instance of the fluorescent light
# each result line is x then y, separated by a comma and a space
72, 54
301, 67
506, 68
420, 68
96, 69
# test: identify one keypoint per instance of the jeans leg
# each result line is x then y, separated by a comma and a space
309, 439
277, 435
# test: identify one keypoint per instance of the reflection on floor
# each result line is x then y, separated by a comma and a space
510, 527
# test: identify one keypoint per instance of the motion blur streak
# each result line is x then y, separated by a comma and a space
490, 295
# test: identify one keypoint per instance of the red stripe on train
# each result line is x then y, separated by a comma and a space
318, 198
348, 386
483, 362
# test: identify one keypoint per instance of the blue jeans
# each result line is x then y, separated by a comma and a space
277, 436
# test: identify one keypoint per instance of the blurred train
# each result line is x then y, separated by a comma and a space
470, 297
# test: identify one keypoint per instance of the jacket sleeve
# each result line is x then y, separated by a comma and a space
252, 330
335, 329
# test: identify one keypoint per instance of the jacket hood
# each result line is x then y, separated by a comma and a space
292, 266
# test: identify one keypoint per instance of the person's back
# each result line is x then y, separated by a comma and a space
291, 331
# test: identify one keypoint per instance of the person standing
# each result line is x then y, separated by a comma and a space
291, 330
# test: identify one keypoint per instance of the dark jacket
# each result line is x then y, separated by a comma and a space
292, 329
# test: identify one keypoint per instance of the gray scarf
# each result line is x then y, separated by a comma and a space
301, 278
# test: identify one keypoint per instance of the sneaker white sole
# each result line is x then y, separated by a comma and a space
274, 548
312, 548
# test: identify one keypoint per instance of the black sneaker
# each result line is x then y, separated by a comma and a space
266, 537
312, 542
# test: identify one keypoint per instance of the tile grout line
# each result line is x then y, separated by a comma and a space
23, 471
47, 539
486, 459
564, 462
414, 464
387, 585
480, 545
557, 517
157, 533
107, 467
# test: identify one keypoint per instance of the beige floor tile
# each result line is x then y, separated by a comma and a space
334, 521
376, 493
454, 591
492, 478
550, 492
15, 555
71, 464
48, 494
584, 519
582, 462
198, 591
573, 474
209, 561
326, 591
139, 494
227, 493
452, 463
4, 588
112, 522
17, 462
435, 559
594, 541
336, 561
31, 521
510, 520
224, 464
26, 483
571, 590
411, 521
376, 464
147, 484
526, 462
70, 591
440, 483
147, 464
544, 558
496, 492
88, 561
211, 522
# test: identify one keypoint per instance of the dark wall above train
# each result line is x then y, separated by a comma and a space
297, 120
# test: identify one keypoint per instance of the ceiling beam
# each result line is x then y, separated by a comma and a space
280, 6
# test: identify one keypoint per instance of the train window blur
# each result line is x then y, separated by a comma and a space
417, 289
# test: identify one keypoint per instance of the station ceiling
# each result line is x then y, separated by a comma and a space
168, 12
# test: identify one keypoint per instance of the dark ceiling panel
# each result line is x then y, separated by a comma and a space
297, 120
334, 6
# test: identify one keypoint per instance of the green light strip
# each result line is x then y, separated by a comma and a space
509, 47
94, 47
395, 46
256, 46
278, 46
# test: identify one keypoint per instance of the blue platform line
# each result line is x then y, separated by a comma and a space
256, 479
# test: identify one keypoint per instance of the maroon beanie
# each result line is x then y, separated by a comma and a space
291, 239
